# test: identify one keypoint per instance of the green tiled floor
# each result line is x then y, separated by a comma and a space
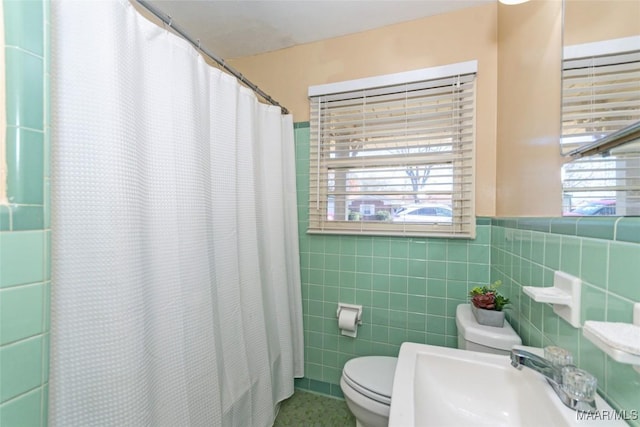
309, 409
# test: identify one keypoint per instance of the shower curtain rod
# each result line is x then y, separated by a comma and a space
196, 43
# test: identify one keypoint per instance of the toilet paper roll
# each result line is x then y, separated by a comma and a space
348, 322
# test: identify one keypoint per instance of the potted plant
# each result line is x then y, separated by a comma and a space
487, 304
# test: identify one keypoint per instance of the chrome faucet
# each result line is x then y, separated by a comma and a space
553, 374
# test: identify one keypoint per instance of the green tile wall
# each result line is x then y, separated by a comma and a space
605, 254
24, 222
409, 288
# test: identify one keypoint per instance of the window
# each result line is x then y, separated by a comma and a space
394, 154
600, 95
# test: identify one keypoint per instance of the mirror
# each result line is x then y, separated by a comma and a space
600, 101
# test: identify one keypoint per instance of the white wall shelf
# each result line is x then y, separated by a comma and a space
548, 295
619, 340
564, 295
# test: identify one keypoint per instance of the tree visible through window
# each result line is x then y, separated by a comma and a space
379, 152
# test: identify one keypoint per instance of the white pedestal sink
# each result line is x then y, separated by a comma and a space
439, 386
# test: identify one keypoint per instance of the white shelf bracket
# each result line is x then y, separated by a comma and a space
564, 295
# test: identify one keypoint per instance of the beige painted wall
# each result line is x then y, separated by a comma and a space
529, 63
519, 52
438, 40
529, 81
595, 20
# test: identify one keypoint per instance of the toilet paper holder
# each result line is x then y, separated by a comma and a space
351, 307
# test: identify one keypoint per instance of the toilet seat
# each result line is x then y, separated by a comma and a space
371, 376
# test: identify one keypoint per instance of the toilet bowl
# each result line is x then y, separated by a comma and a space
366, 384
367, 381
486, 339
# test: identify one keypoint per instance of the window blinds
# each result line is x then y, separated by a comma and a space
601, 94
380, 156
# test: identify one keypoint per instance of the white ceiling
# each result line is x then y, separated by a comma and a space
235, 28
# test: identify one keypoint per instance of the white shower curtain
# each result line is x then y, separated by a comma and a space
176, 284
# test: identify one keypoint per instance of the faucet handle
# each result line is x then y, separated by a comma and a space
558, 356
578, 384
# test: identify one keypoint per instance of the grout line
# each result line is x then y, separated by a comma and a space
615, 228
26, 128
17, 396
28, 52
23, 339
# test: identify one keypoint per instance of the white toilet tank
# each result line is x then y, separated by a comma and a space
487, 339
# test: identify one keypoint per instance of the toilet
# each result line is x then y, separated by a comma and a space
366, 384
486, 339
367, 381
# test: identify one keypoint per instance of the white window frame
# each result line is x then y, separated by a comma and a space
462, 159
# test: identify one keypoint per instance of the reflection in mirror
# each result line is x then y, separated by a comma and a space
601, 95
